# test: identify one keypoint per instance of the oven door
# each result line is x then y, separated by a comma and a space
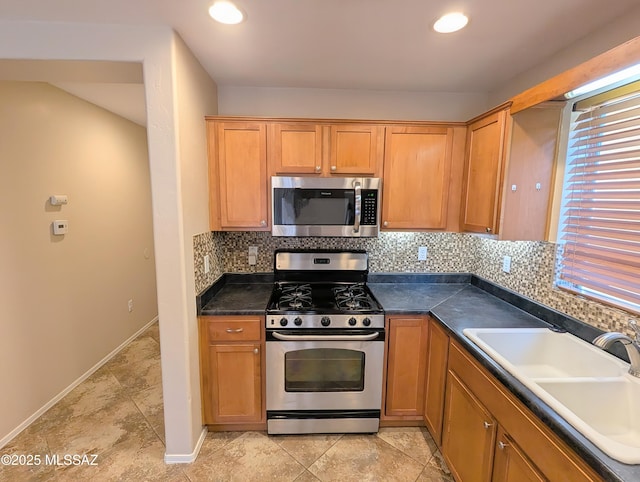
324, 372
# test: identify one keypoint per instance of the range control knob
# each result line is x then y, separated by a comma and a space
297, 321
283, 321
325, 321
352, 321
366, 322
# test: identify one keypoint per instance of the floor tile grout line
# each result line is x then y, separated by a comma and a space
318, 458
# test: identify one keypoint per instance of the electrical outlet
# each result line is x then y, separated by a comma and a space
506, 264
207, 264
253, 255
422, 253
130, 305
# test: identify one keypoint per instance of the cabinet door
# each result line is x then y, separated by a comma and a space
235, 383
484, 173
295, 148
417, 165
355, 149
437, 355
510, 464
406, 366
242, 175
469, 434
530, 176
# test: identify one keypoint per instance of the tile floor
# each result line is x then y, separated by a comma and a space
117, 415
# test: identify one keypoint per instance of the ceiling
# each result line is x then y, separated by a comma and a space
352, 44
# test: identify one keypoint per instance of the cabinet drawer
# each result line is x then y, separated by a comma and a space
234, 329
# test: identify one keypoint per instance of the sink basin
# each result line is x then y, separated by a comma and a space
606, 412
542, 353
585, 385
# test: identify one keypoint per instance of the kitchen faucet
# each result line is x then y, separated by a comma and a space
605, 340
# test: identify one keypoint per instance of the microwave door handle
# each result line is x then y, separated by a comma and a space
358, 201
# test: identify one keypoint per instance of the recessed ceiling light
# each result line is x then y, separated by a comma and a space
226, 12
451, 22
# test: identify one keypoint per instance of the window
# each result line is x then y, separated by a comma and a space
600, 218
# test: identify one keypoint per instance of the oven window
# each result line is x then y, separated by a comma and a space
324, 370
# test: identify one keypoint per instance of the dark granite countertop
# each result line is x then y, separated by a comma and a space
458, 302
236, 295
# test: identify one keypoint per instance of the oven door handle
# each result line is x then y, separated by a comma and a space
281, 336
358, 202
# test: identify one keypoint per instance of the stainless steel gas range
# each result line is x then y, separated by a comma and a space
325, 345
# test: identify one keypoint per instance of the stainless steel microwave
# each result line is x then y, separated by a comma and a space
320, 206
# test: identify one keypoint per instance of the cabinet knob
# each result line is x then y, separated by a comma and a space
263, 223
318, 168
502, 445
488, 230
255, 350
333, 168
487, 425
385, 224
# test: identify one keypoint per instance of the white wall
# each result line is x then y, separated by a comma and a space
615, 33
350, 104
154, 47
63, 299
195, 97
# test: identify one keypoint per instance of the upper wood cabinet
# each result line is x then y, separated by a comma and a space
295, 148
417, 175
530, 177
484, 172
238, 184
309, 148
355, 149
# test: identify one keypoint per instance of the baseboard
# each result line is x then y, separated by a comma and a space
187, 458
15, 432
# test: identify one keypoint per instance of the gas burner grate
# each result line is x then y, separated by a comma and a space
352, 297
295, 297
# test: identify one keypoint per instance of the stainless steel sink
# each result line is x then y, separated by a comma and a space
585, 385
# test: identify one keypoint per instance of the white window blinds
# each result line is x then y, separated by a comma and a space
600, 220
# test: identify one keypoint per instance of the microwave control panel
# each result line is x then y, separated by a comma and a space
369, 216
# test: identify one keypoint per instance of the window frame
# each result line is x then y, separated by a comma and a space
572, 251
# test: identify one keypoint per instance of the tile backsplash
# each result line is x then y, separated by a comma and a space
532, 263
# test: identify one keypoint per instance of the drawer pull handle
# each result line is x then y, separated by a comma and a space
236, 330
487, 425
502, 445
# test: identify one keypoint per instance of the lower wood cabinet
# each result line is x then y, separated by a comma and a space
489, 435
510, 464
437, 355
231, 366
469, 435
406, 367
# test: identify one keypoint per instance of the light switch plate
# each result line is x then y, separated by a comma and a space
207, 264
506, 264
422, 253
